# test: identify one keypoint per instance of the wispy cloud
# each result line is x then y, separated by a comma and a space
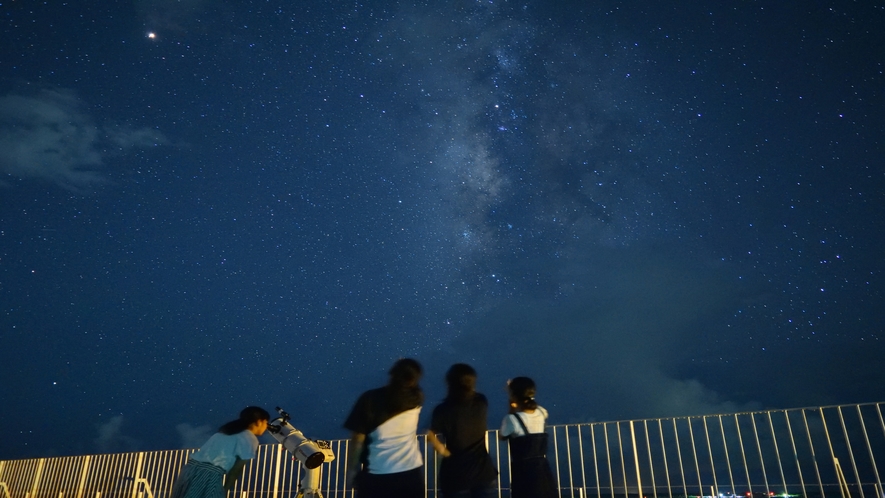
51, 136
111, 438
617, 344
193, 436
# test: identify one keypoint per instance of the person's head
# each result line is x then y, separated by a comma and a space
252, 418
461, 381
405, 373
522, 393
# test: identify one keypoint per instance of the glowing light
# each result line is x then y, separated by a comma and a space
152, 35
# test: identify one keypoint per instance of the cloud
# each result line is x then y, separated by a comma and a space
111, 438
191, 436
615, 346
50, 136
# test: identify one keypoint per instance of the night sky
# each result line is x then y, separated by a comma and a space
653, 208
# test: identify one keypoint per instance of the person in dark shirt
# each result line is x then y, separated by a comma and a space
383, 458
466, 469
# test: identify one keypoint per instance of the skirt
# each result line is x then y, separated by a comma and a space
199, 480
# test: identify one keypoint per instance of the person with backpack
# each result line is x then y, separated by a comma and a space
524, 428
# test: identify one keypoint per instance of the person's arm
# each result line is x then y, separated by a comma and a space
506, 427
354, 451
230, 479
437, 444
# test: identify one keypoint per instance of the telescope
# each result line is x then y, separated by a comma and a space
311, 454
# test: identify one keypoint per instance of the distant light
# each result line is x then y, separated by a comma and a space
152, 35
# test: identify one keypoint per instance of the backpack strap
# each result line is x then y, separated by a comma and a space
519, 419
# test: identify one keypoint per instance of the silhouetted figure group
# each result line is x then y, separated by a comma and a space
384, 459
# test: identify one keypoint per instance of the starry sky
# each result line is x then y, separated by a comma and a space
652, 208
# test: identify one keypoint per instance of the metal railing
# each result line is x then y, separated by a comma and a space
821, 452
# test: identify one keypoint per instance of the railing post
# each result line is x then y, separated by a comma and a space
276, 474
83, 473
840, 476
715, 486
866, 438
694, 455
636, 460
37, 476
137, 476
147, 488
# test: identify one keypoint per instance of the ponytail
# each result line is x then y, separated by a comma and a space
248, 416
522, 392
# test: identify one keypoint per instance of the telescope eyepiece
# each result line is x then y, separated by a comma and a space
283, 414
